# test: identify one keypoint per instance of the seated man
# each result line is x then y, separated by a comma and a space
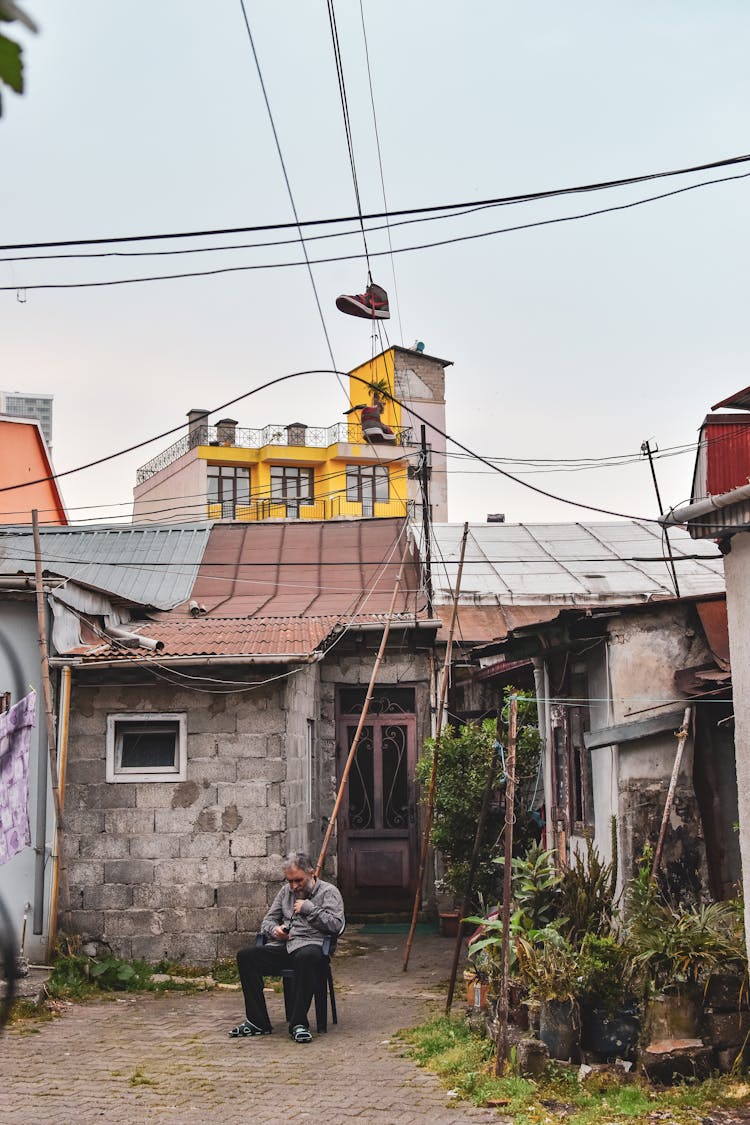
304, 911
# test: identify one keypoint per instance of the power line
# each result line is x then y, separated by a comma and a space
288, 187
506, 200
373, 254
380, 166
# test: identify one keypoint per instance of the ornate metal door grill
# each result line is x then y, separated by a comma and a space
377, 831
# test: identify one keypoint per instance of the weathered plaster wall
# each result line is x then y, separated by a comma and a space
185, 870
737, 571
645, 651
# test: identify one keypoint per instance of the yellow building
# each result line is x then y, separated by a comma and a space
297, 471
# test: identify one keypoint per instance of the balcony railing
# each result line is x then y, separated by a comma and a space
315, 437
335, 507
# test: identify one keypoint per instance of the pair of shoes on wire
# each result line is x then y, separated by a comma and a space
246, 1029
372, 304
300, 1033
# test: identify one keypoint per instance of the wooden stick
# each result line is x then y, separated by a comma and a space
682, 735
59, 867
360, 724
436, 752
483, 813
510, 794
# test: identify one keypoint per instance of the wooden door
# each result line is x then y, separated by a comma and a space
377, 837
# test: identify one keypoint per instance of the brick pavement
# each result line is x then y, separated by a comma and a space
168, 1059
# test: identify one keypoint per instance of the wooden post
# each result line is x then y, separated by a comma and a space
59, 869
682, 734
436, 752
483, 813
360, 724
510, 794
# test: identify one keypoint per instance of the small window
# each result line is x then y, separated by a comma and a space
146, 747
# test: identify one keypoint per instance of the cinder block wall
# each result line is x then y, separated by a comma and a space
186, 870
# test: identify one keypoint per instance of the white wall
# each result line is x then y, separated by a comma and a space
174, 494
737, 571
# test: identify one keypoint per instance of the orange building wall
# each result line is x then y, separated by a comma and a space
23, 457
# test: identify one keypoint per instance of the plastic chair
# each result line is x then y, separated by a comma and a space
323, 989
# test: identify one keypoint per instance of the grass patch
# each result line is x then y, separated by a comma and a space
138, 1078
465, 1063
225, 972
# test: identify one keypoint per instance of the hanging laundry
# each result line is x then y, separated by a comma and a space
15, 741
372, 304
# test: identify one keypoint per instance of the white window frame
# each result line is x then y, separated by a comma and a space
115, 773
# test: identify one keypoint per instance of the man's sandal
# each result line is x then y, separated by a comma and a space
245, 1029
301, 1034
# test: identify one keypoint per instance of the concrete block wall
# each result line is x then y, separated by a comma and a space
185, 870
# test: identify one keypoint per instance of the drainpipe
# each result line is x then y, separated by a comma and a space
63, 728
135, 639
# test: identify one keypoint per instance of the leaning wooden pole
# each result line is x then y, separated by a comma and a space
59, 869
436, 751
510, 796
682, 735
361, 723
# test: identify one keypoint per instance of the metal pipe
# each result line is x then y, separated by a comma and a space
707, 506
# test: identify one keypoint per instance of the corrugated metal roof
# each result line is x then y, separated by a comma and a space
287, 569
149, 564
285, 638
569, 563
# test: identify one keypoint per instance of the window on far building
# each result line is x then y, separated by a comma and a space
228, 485
292, 484
146, 747
365, 484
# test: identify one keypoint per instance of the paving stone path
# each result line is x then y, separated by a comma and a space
168, 1059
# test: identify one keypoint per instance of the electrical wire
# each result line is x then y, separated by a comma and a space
380, 166
506, 200
289, 191
372, 254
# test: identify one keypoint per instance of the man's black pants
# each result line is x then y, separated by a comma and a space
257, 961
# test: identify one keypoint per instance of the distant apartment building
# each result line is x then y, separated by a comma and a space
19, 404
360, 467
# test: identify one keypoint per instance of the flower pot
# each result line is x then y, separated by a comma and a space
674, 1015
449, 920
559, 1028
612, 1034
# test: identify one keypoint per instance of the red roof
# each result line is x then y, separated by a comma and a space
288, 638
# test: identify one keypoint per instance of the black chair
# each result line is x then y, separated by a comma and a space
323, 989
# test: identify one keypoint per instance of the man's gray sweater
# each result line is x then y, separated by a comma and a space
321, 913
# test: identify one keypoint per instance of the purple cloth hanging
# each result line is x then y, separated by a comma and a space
15, 741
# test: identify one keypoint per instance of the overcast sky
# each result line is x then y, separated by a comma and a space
573, 340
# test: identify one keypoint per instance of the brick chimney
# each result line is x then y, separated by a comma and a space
197, 427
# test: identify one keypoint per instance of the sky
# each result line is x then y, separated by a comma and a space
573, 340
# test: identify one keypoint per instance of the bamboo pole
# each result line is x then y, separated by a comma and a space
360, 724
682, 735
60, 874
436, 751
510, 794
483, 813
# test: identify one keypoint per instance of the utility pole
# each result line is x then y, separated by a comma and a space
424, 473
646, 448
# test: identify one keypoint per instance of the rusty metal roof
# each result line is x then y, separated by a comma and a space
284, 639
740, 399
311, 568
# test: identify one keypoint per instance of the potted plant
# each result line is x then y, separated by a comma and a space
610, 1020
676, 949
547, 963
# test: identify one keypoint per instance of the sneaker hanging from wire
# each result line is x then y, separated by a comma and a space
372, 304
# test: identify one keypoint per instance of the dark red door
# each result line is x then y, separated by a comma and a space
377, 824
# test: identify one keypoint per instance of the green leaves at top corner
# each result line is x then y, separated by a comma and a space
11, 65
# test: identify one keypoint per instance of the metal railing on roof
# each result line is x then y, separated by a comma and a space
334, 507
314, 437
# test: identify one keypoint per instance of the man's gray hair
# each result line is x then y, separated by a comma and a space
300, 860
